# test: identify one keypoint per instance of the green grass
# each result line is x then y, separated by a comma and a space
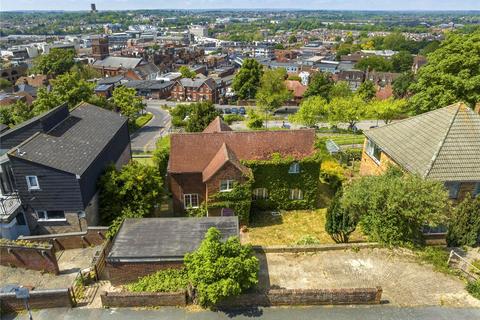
345, 139
437, 257
140, 122
290, 228
143, 160
473, 288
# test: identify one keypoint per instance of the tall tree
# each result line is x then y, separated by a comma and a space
367, 90
451, 75
340, 89
339, 224
247, 80
346, 110
311, 111
320, 84
464, 228
21, 112
186, 72
387, 110
374, 63
127, 101
402, 84
200, 116
272, 93
56, 62
402, 61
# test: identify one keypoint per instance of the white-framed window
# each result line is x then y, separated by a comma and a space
32, 183
226, 185
51, 215
296, 194
453, 188
260, 194
294, 168
373, 150
190, 200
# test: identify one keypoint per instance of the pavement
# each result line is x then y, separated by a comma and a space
277, 313
144, 139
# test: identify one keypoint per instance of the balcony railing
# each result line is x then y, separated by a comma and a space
8, 204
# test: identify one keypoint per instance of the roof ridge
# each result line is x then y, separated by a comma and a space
435, 155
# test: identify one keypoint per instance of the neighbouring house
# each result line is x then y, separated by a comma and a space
354, 78
442, 145
134, 68
196, 89
297, 89
155, 89
381, 79
144, 246
13, 72
50, 166
206, 163
418, 62
36, 81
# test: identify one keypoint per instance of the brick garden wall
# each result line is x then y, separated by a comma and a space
120, 273
36, 258
143, 299
94, 236
39, 299
288, 297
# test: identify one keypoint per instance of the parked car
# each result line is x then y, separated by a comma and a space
235, 110
227, 110
242, 110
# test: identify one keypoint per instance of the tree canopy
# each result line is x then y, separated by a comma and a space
374, 63
186, 72
367, 90
273, 92
320, 84
386, 110
56, 62
312, 110
200, 116
451, 75
247, 80
127, 101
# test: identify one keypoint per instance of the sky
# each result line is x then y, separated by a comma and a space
9, 5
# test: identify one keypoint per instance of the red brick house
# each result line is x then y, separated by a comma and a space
202, 164
197, 89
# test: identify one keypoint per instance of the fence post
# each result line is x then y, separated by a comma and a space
449, 257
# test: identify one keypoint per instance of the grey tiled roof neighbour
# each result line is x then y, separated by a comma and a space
118, 62
443, 144
146, 69
148, 84
111, 80
197, 82
74, 143
165, 239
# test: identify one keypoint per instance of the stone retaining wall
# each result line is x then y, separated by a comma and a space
34, 258
94, 236
39, 299
316, 247
143, 299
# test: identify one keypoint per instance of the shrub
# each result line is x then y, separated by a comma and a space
473, 288
229, 118
255, 121
307, 240
437, 257
464, 229
332, 173
161, 155
339, 224
168, 280
220, 269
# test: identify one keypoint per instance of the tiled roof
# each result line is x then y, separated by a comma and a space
197, 82
74, 143
117, 62
443, 144
217, 125
193, 152
224, 155
296, 87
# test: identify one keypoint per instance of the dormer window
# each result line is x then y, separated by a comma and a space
294, 168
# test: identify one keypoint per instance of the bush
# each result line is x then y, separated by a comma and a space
169, 280
161, 155
255, 121
307, 240
220, 269
339, 224
332, 173
464, 229
229, 118
473, 288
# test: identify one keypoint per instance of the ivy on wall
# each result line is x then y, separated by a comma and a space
239, 199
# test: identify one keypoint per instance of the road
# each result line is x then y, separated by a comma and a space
144, 138
363, 125
317, 312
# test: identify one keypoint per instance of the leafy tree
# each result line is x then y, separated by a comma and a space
430, 47
464, 228
367, 90
272, 93
393, 208
349, 110
127, 101
21, 112
5, 84
254, 121
451, 75
220, 269
86, 71
6, 116
279, 46
397, 42
374, 63
402, 61
340, 89
56, 62
387, 110
131, 192
162, 154
186, 72
179, 113
200, 116
247, 80
311, 111
339, 224
67, 88
292, 39
320, 85
402, 84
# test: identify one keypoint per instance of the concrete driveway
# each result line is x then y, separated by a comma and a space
405, 282
144, 139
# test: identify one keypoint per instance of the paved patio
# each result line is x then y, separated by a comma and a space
405, 282
69, 263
